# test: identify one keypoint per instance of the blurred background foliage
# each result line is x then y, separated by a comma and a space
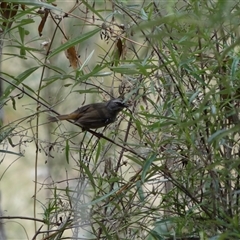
168, 168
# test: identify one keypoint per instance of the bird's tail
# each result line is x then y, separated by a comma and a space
71, 116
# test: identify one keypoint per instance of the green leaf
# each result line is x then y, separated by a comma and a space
29, 49
85, 63
220, 134
147, 165
135, 159
234, 68
98, 200
93, 90
21, 32
217, 135
22, 52
103, 74
10, 152
19, 79
57, 69
90, 8
73, 42
138, 126
104, 229
34, 3
93, 72
67, 151
88, 173
128, 69
6, 133
53, 78
34, 92
162, 228
153, 235
98, 152
140, 191
144, 16
68, 84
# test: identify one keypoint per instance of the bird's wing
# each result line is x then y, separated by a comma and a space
95, 117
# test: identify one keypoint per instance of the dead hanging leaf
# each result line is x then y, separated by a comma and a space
72, 56
8, 11
117, 52
119, 47
93, 17
42, 23
23, 7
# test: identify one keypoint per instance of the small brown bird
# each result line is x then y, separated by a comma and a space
95, 115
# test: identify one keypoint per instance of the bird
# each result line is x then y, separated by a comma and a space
95, 115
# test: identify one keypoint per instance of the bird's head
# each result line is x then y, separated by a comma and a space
116, 105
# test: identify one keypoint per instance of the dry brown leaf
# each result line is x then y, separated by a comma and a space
42, 23
117, 52
71, 54
119, 47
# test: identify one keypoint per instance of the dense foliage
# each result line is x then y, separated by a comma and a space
168, 168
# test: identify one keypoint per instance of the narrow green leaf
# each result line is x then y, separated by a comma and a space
140, 191
21, 32
143, 15
153, 235
194, 96
67, 151
147, 165
6, 133
128, 69
234, 68
104, 228
98, 200
102, 74
27, 87
56, 69
88, 173
29, 49
68, 84
10, 152
22, 22
53, 78
93, 72
84, 64
22, 52
73, 42
10, 142
138, 126
87, 91
99, 148
218, 135
34, 3
135, 159
92, 9
19, 79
